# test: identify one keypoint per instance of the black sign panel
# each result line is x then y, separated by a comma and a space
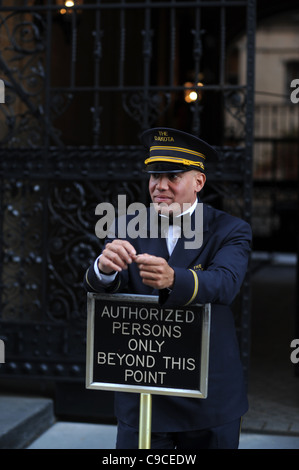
135, 345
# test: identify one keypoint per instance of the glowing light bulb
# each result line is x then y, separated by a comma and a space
193, 96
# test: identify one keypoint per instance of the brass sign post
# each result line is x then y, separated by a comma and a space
145, 421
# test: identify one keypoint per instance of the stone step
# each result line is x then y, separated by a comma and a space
23, 419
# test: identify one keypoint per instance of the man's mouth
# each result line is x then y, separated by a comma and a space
161, 198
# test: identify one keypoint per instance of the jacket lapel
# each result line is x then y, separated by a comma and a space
182, 256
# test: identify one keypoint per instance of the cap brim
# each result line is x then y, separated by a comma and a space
164, 167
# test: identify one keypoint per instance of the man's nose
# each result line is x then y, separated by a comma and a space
162, 182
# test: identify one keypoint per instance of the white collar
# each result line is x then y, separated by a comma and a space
190, 211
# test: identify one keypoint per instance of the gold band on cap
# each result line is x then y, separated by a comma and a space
177, 149
182, 161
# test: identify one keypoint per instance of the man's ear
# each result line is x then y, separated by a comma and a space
200, 180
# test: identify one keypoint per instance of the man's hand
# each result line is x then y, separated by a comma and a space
116, 256
155, 271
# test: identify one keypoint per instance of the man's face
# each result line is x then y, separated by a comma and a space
176, 189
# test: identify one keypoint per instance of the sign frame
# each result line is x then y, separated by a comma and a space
202, 391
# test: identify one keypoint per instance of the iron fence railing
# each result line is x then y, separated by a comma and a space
79, 89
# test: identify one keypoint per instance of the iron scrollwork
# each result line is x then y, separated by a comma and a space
49, 190
140, 103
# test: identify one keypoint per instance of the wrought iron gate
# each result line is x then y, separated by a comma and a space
81, 83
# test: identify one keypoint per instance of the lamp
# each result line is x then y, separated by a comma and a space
66, 6
192, 95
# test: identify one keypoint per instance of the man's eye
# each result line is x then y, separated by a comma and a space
172, 176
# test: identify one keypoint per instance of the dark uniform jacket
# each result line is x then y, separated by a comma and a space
212, 274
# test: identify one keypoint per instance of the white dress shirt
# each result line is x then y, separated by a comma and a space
174, 231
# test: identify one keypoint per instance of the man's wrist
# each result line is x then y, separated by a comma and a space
103, 272
106, 274
102, 276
